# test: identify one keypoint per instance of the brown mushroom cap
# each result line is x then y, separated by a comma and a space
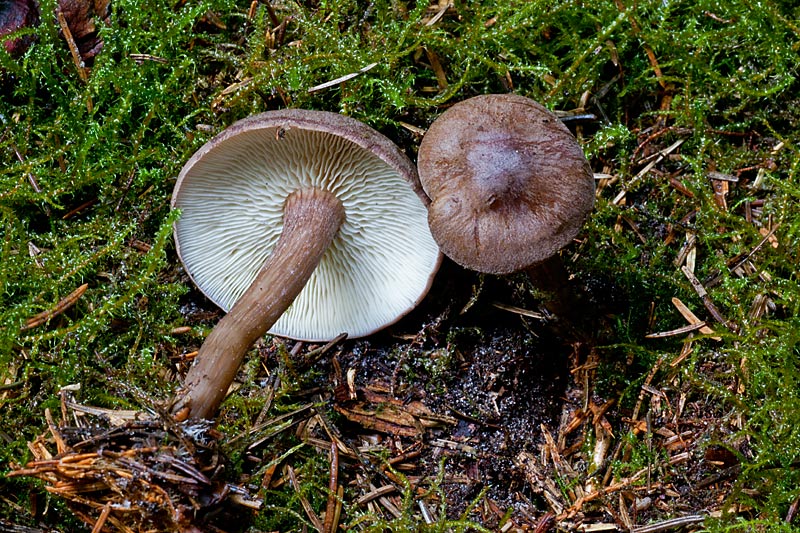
508, 182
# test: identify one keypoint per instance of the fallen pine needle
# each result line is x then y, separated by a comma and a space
341, 79
64, 304
692, 318
679, 331
330, 525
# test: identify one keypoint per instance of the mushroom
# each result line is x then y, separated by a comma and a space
509, 187
303, 224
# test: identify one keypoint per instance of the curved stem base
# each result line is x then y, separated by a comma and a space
311, 219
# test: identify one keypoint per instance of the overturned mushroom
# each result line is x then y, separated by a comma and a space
304, 224
509, 186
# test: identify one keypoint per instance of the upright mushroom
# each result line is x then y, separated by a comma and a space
509, 186
306, 224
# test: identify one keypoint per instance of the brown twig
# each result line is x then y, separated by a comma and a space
436, 66
31, 178
125, 189
316, 354
757, 247
375, 493
75, 210
329, 526
63, 304
545, 523
61, 446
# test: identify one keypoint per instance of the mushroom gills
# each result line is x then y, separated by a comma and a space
312, 218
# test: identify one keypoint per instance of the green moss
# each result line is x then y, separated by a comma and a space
87, 168
772, 420
407, 520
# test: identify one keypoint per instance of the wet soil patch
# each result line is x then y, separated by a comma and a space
492, 388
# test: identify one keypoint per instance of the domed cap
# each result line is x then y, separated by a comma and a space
231, 195
509, 184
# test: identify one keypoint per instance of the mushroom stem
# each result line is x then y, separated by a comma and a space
311, 219
551, 277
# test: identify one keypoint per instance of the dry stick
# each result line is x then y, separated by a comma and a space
61, 445
316, 354
31, 178
439, 14
337, 513
312, 217
545, 523
647, 380
125, 189
758, 246
375, 493
620, 485
341, 79
75, 210
436, 66
73, 48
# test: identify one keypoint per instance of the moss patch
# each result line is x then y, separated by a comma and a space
693, 138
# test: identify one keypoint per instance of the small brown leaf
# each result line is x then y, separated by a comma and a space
80, 16
15, 15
